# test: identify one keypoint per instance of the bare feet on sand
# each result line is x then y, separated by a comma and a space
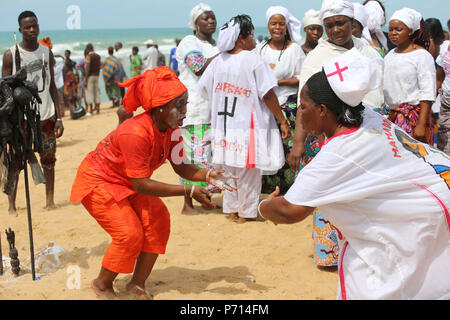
233, 217
138, 292
102, 292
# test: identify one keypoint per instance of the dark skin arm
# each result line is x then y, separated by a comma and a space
419, 132
298, 145
7, 67
190, 172
279, 210
440, 76
271, 101
292, 82
59, 128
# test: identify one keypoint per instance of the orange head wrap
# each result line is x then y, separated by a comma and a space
152, 89
46, 42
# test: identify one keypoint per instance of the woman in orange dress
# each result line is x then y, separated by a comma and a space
114, 181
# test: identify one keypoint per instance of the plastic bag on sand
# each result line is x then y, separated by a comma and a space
50, 258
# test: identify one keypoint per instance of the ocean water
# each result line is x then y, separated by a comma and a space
76, 40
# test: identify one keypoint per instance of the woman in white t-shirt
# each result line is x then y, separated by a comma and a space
443, 85
285, 57
387, 194
193, 54
410, 75
246, 141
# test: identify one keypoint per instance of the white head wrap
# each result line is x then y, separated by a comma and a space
376, 20
294, 26
196, 12
331, 8
362, 15
408, 16
228, 35
352, 76
311, 18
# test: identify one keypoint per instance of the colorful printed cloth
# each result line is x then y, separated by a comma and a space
197, 147
47, 156
111, 70
285, 177
406, 117
326, 248
195, 60
383, 110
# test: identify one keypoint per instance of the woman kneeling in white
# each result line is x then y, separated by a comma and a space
386, 193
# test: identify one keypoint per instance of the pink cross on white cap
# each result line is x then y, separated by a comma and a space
338, 71
352, 76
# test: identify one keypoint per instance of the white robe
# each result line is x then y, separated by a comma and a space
235, 86
389, 197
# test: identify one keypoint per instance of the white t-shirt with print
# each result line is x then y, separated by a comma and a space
235, 86
197, 108
389, 198
286, 66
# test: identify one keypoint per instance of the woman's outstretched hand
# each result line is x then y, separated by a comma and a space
221, 180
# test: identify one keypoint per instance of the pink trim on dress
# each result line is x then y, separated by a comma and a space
444, 208
341, 272
348, 131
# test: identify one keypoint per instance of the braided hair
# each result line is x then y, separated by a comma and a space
320, 91
422, 36
245, 24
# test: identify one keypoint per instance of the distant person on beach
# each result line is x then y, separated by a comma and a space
150, 56
114, 182
161, 58
123, 58
67, 54
81, 67
173, 59
112, 76
69, 84
194, 54
135, 62
59, 81
93, 67
31, 53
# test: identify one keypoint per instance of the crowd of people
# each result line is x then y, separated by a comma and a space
344, 128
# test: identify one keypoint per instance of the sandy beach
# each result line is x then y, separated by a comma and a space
207, 257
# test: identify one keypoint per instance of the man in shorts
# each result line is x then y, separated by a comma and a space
93, 67
31, 53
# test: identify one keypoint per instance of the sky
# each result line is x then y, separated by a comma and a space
123, 14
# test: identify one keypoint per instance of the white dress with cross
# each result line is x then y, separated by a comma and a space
245, 136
